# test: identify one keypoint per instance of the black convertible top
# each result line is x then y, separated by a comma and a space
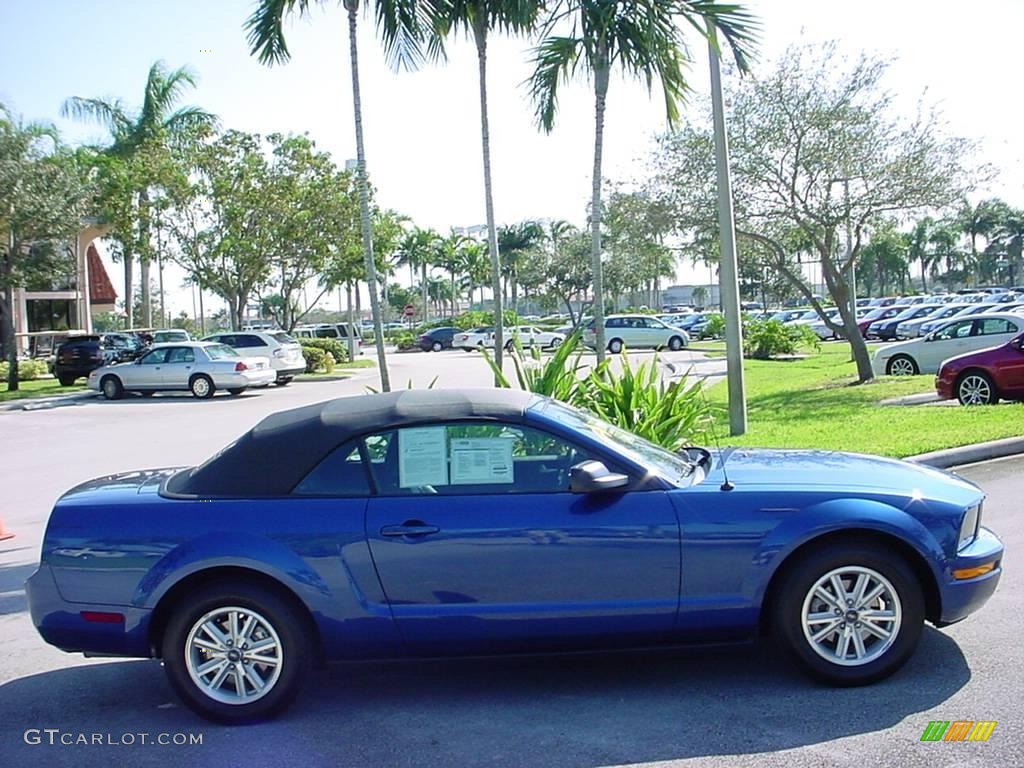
272, 457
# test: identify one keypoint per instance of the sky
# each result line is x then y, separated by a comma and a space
422, 128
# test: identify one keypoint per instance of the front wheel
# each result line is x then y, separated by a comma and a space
615, 346
437, 346
976, 388
236, 653
675, 343
850, 614
112, 387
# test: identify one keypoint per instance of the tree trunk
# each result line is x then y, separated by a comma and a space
7, 330
839, 289
352, 7
601, 76
480, 34
144, 261
351, 322
424, 288
924, 282
128, 296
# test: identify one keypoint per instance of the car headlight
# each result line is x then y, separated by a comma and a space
969, 526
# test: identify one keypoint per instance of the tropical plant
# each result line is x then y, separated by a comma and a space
764, 339
558, 377
141, 143
400, 24
643, 39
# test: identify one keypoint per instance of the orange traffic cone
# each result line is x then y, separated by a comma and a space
4, 534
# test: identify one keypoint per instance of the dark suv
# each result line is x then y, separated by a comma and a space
79, 355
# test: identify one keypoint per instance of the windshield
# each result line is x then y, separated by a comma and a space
220, 352
657, 459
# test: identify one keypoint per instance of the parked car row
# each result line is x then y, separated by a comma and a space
80, 354
482, 337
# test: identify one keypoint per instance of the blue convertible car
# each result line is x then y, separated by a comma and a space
440, 523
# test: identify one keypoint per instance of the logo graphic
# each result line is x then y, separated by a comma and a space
958, 730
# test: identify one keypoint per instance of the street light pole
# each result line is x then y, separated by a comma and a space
729, 288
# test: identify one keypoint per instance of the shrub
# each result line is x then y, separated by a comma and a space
764, 339
405, 341
715, 328
337, 347
28, 370
314, 358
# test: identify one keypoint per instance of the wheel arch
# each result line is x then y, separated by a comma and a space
914, 559
221, 574
976, 369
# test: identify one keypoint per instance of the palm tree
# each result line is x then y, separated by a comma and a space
514, 243
450, 255
644, 40
981, 220
478, 18
156, 128
416, 250
918, 240
400, 24
1009, 237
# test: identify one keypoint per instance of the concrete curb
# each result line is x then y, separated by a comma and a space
969, 454
39, 403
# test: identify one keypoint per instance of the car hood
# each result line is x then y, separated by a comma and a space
833, 469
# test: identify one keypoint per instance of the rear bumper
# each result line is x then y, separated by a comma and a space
962, 597
61, 623
289, 371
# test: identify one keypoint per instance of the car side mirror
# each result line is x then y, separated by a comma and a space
594, 477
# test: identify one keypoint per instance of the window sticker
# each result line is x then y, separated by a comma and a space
482, 460
422, 458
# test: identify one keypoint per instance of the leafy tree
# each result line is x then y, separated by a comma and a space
400, 23
644, 40
815, 146
1008, 239
565, 267
516, 242
883, 260
141, 141
44, 195
981, 220
450, 255
636, 225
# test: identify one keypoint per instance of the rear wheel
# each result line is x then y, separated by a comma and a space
902, 365
111, 387
849, 614
66, 381
675, 343
146, 393
235, 391
437, 346
556, 342
284, 381
615, 346
201, 386
236, 653
976, 388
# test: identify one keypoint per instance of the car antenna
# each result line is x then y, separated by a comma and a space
726, 485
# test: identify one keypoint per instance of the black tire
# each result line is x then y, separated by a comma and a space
66, 381
201, 386
795, 588
111, 387
235, 391
615, 346
437, 346
902, 365
294, 649
284, 381
509, 345
556, 343
675, 343
147, 393
976, 388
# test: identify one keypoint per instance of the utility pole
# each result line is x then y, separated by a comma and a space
729, 288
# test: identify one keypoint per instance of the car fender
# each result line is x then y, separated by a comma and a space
834, 516
219, 549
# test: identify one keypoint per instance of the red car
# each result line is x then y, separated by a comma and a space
983, 377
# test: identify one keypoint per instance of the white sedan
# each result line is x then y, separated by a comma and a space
473, 339
957, 336
199, 367
529, 337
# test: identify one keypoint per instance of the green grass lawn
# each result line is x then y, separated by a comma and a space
341, 368
813, 403
39, 388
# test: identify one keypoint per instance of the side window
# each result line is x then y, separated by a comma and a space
156, 357
340, 473
991, 326
181, 355
614, 322
471, 459
228, 338
955, 331
248, 340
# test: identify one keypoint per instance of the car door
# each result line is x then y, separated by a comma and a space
176, 372
148, 372
949, 341
1011, 370
480, 546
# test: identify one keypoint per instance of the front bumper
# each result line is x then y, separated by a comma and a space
961, 597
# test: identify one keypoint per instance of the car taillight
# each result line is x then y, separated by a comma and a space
279, 353
241, 367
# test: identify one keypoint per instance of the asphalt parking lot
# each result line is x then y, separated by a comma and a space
709, 707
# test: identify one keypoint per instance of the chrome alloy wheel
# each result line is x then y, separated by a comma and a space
975, 390
233, 655
851, 616
901, 366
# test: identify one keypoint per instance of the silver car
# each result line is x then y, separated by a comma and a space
198, 367
284, 352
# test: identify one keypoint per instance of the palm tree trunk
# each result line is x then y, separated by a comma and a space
128, 295
424, 288
480, 33
601, 76
147, 299
352, 6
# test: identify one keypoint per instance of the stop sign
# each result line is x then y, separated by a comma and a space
409, 310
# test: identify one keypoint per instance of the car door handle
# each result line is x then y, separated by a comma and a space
409, 528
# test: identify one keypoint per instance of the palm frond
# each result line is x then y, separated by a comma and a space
110, 114
265, 29
739, 27
555, 58
405, 27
